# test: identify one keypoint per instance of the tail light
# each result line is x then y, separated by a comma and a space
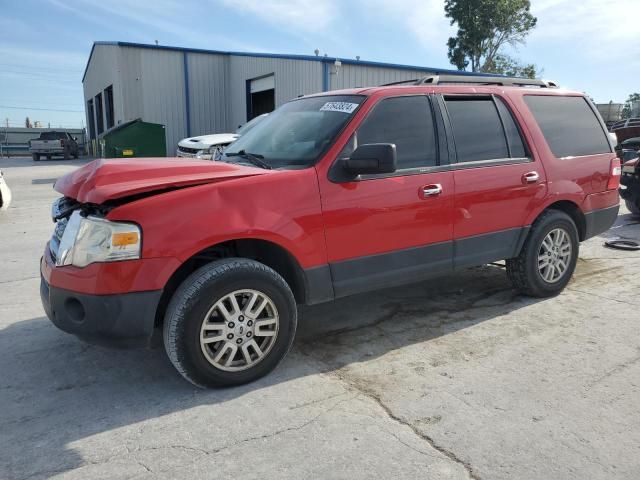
614, 176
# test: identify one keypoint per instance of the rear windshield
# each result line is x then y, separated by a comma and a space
296, 134
52, 135
569, 125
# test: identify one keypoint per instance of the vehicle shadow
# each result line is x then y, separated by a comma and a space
56, 390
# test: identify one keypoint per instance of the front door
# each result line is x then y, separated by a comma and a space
384, 230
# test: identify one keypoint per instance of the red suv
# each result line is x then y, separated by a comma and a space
331, 195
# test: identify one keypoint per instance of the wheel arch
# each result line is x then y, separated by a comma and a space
267, 252
573, 210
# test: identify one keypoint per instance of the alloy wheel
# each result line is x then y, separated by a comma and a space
554, 255
239, 330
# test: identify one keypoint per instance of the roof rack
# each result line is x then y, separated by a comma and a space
477, 80
413, 81
486, 80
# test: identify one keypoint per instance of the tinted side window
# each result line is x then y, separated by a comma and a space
516, 145
569, 125
477, 130
406, 122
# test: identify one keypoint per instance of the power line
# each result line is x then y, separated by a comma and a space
59, 77
42, 109
48, 68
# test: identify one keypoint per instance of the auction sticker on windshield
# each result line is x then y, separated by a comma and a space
344, 107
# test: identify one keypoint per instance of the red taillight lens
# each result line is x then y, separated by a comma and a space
614, 174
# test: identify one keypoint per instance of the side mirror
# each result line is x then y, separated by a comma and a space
372, 158
75, 139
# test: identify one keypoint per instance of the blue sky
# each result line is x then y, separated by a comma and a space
587, 45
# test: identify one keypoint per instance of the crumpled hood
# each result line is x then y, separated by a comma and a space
206, 141
103, 180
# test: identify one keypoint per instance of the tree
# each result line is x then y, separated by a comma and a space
484, 27
27, 122
506, 65
626, 110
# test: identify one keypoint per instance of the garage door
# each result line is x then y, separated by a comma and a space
261, 96
262, 84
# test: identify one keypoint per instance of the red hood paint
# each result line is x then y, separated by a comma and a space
103, 180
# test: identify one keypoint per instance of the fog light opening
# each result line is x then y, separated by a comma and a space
75, 310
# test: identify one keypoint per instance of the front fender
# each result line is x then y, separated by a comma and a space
282, 208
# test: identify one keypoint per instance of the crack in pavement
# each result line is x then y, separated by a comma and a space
617, 369
201, 451
571, 289
369, 393
399, 420
319, 400
15, 280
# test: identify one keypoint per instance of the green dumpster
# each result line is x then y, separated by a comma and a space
134, 139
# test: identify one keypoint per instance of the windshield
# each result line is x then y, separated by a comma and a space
250, 124
52, 136
296, 134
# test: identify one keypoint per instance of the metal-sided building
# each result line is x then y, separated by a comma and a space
197, 92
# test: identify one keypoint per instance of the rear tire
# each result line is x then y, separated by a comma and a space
218, 301
548, 257
48, 157
36, 157
634, 208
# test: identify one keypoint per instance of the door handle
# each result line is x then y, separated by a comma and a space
431, 190
530, 177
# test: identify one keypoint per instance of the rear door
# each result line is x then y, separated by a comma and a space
498, 180
384, 230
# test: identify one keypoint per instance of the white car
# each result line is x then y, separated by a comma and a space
209, 147
5, 193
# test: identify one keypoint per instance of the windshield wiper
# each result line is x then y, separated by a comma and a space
255, 158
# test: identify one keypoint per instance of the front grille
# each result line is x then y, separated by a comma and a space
188, 150
60, 212
56, 238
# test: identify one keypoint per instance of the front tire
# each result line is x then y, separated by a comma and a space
35, 157
230, 322
548, 257
633, 207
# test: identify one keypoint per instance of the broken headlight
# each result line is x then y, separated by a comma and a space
92, 239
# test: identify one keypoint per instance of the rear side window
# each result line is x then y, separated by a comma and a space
406, 122
569, 125
53, 136
477, 129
